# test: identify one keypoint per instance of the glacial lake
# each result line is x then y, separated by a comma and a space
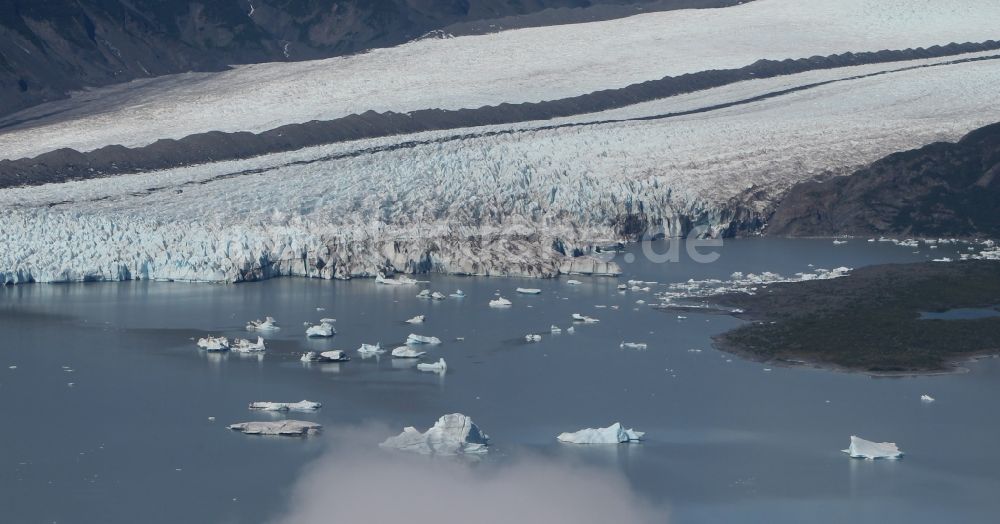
108, 404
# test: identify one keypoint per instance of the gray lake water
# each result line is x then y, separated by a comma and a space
106, 415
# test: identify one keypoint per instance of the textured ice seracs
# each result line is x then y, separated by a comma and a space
451, 435
613, 434
288, 428
533, 64
866, 449
302, 405
490, 205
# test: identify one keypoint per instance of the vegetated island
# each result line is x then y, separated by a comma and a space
870, 321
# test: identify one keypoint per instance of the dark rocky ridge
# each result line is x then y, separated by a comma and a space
51, 47
67, 164
870, 320
940, 190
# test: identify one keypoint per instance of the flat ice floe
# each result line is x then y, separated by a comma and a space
526, 65
414, 339
302, 405
451, 435
866, 449
613, 434
288, 428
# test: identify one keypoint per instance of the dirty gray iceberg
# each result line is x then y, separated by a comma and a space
451, 435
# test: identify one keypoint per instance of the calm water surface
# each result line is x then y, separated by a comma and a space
107, 411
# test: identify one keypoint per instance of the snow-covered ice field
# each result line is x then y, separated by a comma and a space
533, 64
488, 204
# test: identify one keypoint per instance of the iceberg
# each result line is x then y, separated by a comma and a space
367, 350
438, 367
583, 318
571, 330
242, 345
407, 352
458, 294
839, 242
327, 320
573, 282
414, 339
335, 355
528, 290
554, 329
866, 449
613, 434
211, 343
451, 435
926, 398
500, 302
632, 345
531, 337
324, 330
438, 296
288, 428
302, 405
419, 319
401, 281
268, 324
622, 287
424, 293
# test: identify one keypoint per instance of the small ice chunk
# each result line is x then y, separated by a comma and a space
11, 367
419, 319
438, 367
323, 330
500, 302
531, 337
268, 324
290, 428
438, 296
302, 405
555, 329
414, 339
622, 287
573, 282
211, 343
926, 398
242, 345
866, 449
613, 434
632, 345
334, 355
528, 290
401, 281
407, 352
583, 318
839, 242
451, 435
458, 293
327, 320
571, 330
367, 350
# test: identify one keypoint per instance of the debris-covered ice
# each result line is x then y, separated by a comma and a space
451, 435
302, 405
290, 428
866, 449
613, 434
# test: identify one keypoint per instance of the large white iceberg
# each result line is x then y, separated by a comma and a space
290, 428
211, 343
302, 405
866, 449
451, 435
613, 434
268, 324
323, 330
414, 339
242, 345
438, 367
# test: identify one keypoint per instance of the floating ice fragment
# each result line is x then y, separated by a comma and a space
323, 330
401, 281
211, 343
419, 319
571, 330
407, 352
866, 449
528, 290
414, 339
438, 367
583, 318
438, 296
531, 337
367, 350
613, 434
327, 320
268, 324
424, 293
500, 302
573, 282
335, 355
289, 428
458, 293
632, 345
554, 329
926, 398
839, 242
302, 405
242, 345
451, 434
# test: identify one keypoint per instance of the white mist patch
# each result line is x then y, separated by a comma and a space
355, 483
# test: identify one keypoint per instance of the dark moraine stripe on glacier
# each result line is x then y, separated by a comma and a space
67, 164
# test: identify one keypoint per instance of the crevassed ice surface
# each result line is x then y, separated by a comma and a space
483, 204
523, 65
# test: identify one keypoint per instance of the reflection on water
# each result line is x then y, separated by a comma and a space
726, 439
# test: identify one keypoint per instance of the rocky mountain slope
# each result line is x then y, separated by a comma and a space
51, 47
940, 190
